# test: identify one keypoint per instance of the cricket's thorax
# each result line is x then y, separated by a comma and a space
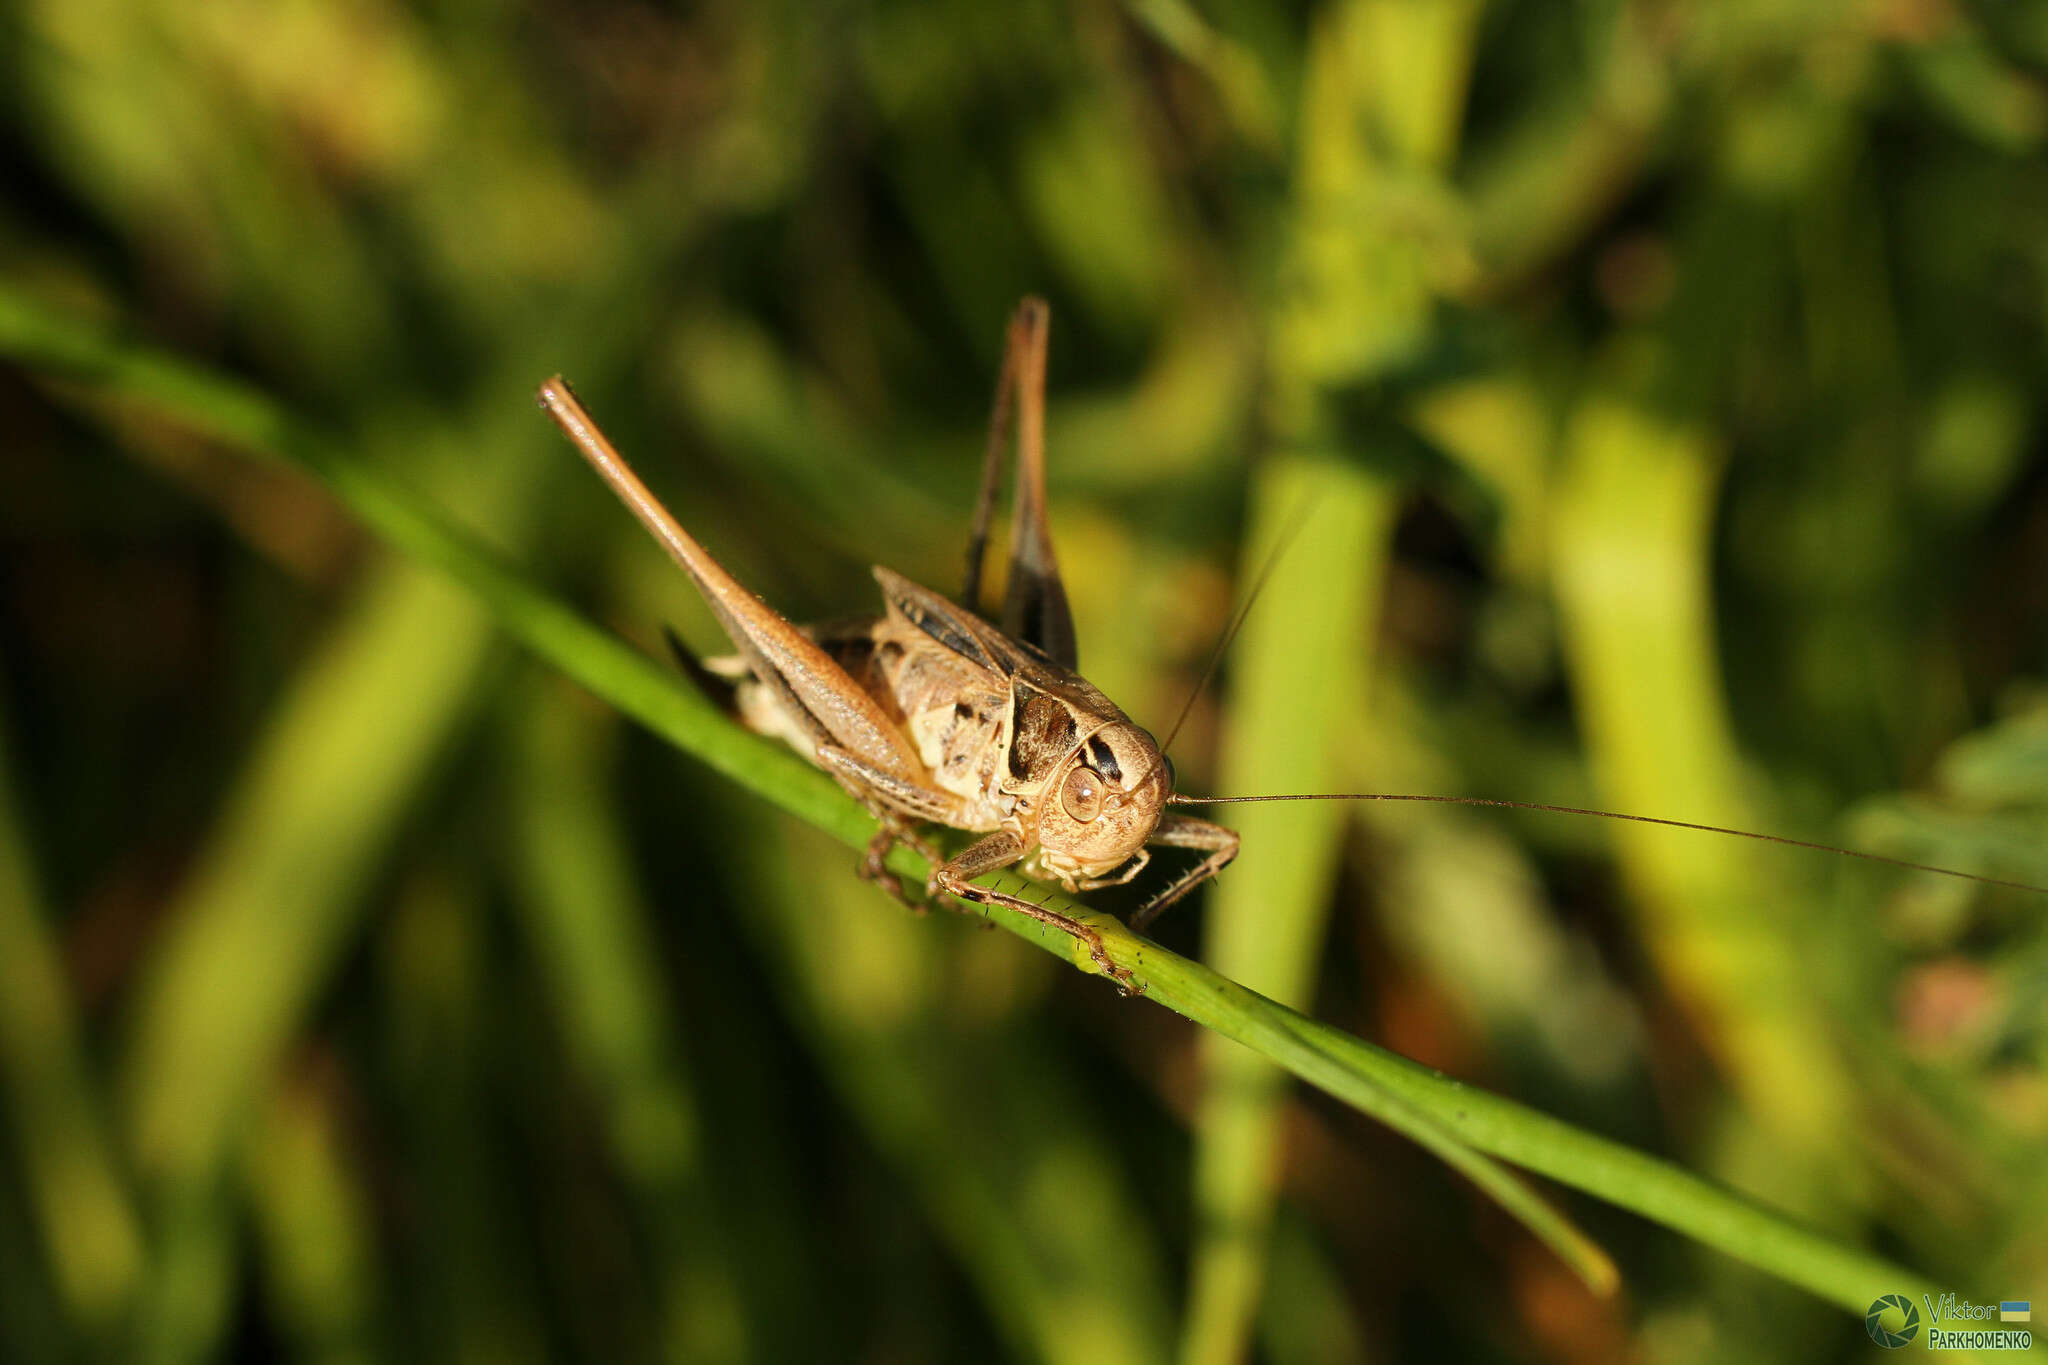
995, 723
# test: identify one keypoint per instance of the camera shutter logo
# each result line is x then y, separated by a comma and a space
1873, 1322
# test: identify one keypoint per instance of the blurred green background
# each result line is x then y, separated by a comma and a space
1664, 382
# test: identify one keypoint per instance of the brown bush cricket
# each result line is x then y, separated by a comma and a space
929, 714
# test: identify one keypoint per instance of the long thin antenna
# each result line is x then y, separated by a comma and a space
1179, 800
1286, 538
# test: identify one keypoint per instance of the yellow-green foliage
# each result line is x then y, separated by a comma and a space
1655, 387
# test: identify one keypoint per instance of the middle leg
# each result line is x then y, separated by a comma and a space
1185, 831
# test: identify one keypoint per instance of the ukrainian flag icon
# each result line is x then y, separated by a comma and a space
2016, 1310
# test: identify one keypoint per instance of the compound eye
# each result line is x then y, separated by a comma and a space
1081, 795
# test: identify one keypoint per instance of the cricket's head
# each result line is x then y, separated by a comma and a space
1104, 801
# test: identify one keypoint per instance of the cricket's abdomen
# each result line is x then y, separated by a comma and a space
954, 718
954, 714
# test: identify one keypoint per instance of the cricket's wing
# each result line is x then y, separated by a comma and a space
1051, 708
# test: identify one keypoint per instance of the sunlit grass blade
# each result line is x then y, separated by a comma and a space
1632, 542
1367, 1077
1294, 670
1379, 108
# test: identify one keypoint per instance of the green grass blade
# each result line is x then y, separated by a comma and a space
1240, 81
1295, 668
185, 1304
593, 947
480, 1297
277, 883
1372, 126
1376, 1081
1009, 1162
1637, 489
88, 1225
312, 1216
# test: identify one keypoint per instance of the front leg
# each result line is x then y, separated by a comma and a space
955, 877
1186, 831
